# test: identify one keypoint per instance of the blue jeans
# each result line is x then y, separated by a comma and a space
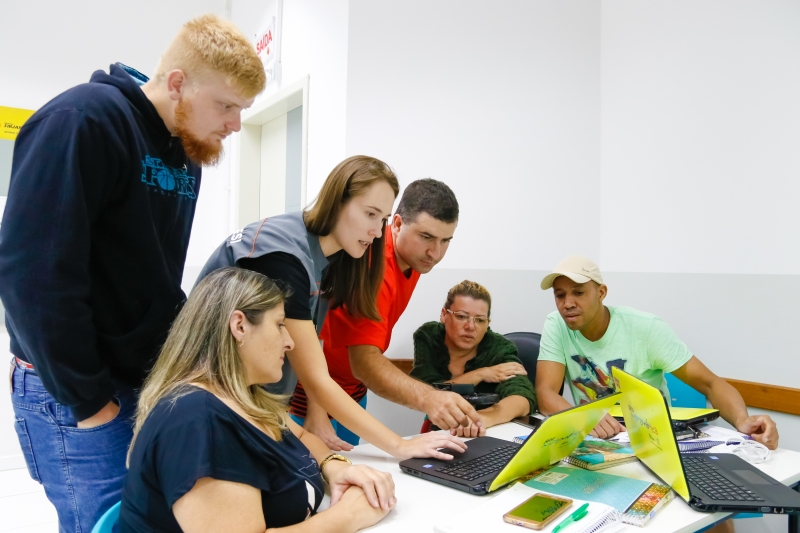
341, 431
82, 470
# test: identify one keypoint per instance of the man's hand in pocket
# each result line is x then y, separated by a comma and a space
106, 414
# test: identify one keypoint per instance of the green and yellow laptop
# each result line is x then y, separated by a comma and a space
491, 463
708, 482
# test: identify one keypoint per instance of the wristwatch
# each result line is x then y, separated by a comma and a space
332, 457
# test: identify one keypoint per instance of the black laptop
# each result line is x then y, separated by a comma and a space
471, 471
683, 419
491, 463
706, 481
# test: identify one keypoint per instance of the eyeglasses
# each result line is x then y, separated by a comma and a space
463, 318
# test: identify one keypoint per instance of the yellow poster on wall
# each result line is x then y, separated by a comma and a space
11, 120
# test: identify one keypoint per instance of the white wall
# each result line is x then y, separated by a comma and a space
652, 136
50, 46
700, 129
501, 102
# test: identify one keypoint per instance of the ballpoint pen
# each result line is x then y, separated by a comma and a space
574, 517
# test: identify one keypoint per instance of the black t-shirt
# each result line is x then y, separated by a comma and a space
199, 436
289, 272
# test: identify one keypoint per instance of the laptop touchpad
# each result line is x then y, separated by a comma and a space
751, 477
454, 453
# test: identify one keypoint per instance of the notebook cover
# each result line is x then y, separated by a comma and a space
596, 454
617, 491
645, 508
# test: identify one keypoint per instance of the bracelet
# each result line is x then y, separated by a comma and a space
332, 457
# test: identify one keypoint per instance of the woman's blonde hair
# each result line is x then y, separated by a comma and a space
201, 349
476, 291
351, 281
208, 44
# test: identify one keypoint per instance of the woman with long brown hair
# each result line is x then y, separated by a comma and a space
332, 252
213, 451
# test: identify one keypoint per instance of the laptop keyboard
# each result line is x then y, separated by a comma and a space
494, 461
708, 478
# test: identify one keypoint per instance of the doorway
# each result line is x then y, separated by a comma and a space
269, 174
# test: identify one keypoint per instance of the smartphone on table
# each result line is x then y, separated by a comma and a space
537, 511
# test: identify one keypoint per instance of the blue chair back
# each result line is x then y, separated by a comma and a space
682, 395
108, 520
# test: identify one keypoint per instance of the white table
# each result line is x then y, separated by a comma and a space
422, 504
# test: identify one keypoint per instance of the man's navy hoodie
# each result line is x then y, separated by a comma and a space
94, 237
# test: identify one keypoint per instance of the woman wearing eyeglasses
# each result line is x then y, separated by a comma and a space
461, 348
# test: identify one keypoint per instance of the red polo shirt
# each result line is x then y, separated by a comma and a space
341, 329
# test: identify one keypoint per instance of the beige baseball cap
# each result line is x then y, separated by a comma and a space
577, 268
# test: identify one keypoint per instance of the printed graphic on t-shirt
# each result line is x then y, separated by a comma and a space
167, 180
594, 381
312, 474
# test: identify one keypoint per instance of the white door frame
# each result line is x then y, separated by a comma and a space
246, 171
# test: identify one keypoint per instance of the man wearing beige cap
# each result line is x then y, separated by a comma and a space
586, 339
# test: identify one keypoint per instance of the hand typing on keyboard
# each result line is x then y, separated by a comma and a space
491, 463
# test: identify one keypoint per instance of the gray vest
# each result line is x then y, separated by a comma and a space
283, 233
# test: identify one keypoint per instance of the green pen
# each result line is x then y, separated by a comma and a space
574, 517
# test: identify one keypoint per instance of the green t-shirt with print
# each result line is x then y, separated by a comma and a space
639, 343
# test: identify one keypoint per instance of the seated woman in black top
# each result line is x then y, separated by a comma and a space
213, 451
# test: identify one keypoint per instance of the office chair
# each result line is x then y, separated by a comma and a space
108, 520
527, 343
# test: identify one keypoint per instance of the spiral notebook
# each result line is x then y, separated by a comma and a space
488, 517
698, 445
597, 454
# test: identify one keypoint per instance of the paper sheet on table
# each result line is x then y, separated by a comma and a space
715, 433
488, 517
721, 433
622, 437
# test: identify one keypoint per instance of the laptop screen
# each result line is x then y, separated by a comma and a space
650, 430
556, 438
